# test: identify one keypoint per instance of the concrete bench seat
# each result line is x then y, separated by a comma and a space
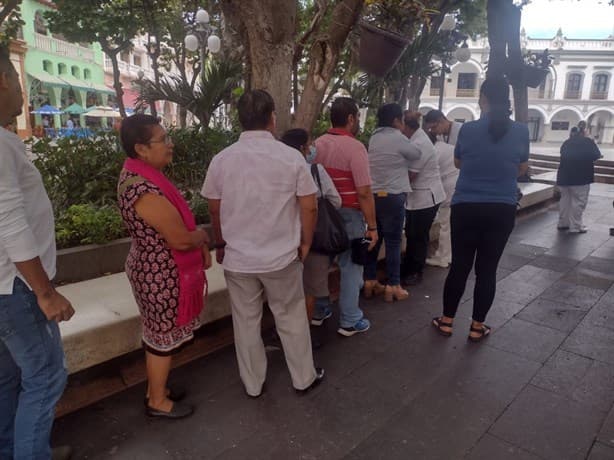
107, 323
534, 193
545, 178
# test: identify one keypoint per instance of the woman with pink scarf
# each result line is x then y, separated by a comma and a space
167, 260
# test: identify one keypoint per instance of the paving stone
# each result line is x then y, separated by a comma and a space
524, 250
601, 452
535, 276
578, 378
490, 447
588, 278
556, 263
606, 433
598, 264
516, 291
513, 262
476, 389
526, 339
549, 425
556, 315
571, 251
602, 314
573, 294
591, 341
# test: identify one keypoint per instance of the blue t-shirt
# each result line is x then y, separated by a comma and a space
489, 170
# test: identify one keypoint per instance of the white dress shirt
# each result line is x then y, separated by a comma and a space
452, 136
448, 170
26, 216
427, 189
258, 180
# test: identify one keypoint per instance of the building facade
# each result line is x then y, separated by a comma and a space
578, 87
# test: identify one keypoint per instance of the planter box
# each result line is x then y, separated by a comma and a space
94, 260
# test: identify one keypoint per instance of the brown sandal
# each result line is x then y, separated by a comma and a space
484, 332
438, 323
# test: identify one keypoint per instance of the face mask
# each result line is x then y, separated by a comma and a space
311, 156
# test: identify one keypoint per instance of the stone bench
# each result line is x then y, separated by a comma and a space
107, 323
534, 193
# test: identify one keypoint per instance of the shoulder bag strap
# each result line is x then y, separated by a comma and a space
316, 175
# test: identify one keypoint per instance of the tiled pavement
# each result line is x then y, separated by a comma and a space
541, 387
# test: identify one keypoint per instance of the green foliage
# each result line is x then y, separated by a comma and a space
79, 170
10, 21
88, 224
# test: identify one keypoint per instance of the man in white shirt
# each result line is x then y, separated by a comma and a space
435, 122
262, 201
422, 202
32, 373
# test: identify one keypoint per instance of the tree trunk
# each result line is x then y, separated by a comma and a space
323, 59
270, 27
117, 84
414, 90
496, 37
521, 103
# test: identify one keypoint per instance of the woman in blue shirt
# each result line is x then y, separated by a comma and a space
490, 153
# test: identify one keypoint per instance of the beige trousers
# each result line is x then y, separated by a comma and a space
284, 292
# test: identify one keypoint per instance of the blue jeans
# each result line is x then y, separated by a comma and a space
32, 376
351, 274
390, 213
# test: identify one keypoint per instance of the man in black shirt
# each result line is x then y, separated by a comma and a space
576, 173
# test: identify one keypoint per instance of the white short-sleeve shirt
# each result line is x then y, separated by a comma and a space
427, 189
258, 180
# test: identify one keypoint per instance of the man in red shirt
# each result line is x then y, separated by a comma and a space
345, 159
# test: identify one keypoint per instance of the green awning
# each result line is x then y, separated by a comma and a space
86, 85
48, 79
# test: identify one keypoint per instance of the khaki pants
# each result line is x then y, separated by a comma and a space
284, 292
572, 205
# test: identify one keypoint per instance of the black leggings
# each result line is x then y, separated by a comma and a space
479, 232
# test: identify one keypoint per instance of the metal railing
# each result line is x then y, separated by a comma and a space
599, 95
465, 92
62, 48
572, 94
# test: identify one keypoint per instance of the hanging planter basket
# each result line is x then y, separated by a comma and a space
534, 76
379, 49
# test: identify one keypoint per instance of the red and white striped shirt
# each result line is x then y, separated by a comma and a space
346, 162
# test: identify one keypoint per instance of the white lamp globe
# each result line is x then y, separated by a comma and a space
202, 17
463, 54
191, 42
214, 44
448, 23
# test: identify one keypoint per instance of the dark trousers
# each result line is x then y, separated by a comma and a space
417, 227
479, 234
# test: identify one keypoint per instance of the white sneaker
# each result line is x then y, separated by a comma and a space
582, 229
435, 262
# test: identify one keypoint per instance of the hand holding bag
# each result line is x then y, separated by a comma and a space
329, 237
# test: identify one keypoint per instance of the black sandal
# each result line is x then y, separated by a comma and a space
484, 332
437, 323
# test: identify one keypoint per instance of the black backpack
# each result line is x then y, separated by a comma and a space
329, 237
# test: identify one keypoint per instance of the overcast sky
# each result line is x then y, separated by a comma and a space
578, 19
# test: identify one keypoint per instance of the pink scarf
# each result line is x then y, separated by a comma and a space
192, 279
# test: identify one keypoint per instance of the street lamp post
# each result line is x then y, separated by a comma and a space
462, 54
201, 38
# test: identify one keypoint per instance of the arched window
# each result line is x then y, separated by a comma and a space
600, 86
574, 86
40, 25
62, 69
87, 74
48, 66
74, 70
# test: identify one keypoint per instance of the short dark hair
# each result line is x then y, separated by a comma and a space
412, 119
433, 116
136, 129
387, 113
255, 108
295, 138
5, 60
340, 111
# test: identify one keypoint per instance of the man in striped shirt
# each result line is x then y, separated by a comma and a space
345, 159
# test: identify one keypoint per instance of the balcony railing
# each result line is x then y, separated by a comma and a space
434, 91
572, 94
128, 69
465, 92
62, 48
599, 95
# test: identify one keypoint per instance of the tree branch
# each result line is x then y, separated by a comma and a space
9, 7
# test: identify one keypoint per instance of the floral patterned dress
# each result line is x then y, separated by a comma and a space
152, 272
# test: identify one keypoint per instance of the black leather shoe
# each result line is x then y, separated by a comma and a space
315, 383
61, 453
178, 411
175, 394
413, 280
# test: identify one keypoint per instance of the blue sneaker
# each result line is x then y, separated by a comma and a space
319, 320
361, 326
